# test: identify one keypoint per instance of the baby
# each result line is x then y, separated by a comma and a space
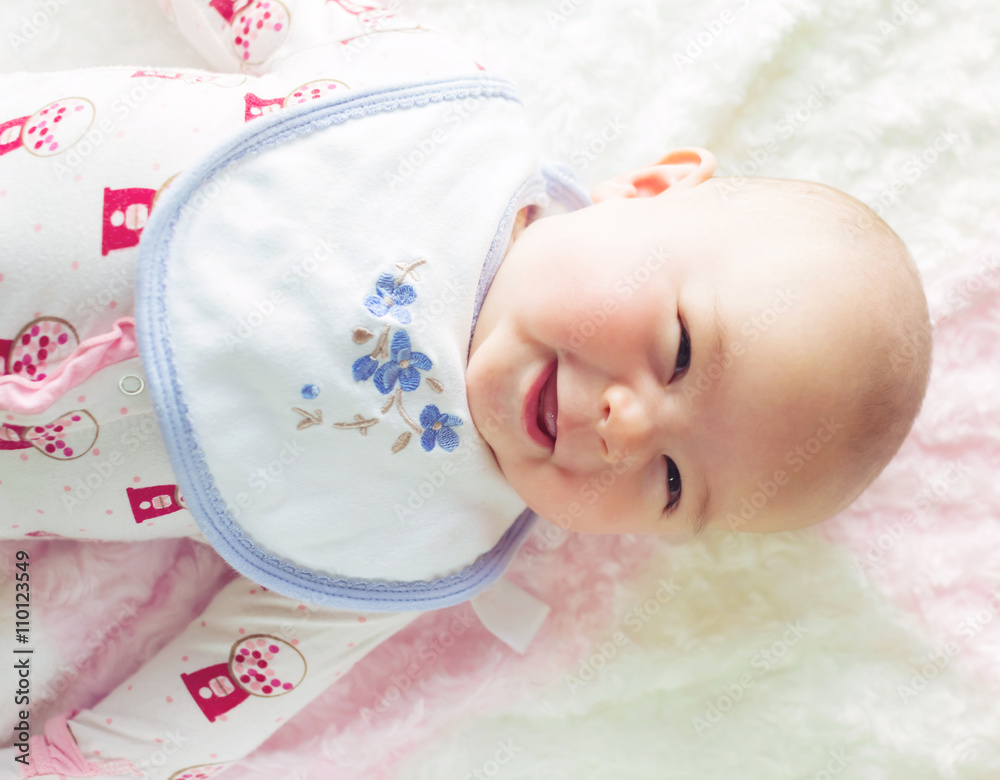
695, 353
676, 352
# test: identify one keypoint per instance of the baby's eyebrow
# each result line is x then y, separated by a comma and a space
718, 353
701, 516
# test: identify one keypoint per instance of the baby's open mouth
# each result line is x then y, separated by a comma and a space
541, 408
548, 407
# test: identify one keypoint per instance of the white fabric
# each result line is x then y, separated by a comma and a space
510, 613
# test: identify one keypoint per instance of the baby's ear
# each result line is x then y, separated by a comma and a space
678, 170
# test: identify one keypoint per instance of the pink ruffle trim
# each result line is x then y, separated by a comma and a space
56, 753
22, 396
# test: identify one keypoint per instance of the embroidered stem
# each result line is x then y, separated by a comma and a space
408, 269
359, 422
380, 351
316, 418
388, 404
402, 412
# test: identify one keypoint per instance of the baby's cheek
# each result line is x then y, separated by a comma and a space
620, 498
548, 493
580, 323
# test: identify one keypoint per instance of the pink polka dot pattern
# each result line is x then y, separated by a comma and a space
40, 347
200, 772
68, 437
266, 666
259, 31
57, 126
314, 90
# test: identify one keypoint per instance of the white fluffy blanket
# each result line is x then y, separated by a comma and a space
864, 648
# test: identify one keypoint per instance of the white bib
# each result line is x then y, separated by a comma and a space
305, 298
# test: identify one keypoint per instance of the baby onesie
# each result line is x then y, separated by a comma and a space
80, 441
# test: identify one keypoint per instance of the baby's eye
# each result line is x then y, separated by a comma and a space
683, 353
673, 485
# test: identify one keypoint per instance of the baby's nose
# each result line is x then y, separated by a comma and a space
627, 425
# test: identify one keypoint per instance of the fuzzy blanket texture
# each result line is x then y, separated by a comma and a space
867, 647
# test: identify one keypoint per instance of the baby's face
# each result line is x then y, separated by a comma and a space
655, 364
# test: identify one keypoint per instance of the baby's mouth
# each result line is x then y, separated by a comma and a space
541, 408
548, 407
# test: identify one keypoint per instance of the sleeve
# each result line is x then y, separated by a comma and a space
273, 36
216, 692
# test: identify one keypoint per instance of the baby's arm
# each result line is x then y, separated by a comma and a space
217, 691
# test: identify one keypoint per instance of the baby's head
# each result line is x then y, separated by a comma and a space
695, 352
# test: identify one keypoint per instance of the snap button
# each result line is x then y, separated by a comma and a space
130, 384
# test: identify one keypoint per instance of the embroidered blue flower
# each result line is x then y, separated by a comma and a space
402, 364
364, 367
310, 391
438, 429
390, 298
